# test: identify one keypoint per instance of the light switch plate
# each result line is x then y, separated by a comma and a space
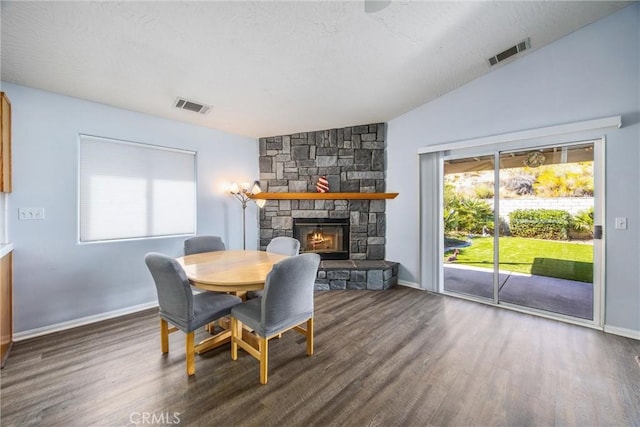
30, 213
621, 223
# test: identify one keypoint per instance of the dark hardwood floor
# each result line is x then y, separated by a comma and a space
401, 357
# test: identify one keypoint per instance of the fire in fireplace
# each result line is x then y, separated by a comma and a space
327, 237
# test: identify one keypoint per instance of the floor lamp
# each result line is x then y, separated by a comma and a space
243, 192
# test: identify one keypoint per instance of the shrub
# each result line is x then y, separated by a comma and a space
521, 184
582, 222
473, 215
549, 224
503, 227
484, 192
574, 180
450, 203
463, 214
450, 220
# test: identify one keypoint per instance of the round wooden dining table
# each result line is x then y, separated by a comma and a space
236, 271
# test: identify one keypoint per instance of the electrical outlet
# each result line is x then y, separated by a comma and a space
621, 223
30, 213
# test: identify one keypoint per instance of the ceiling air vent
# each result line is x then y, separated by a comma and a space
197, 107
523, 45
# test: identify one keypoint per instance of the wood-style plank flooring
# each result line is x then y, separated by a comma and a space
401, 357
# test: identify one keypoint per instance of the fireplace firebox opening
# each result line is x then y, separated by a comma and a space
327, 237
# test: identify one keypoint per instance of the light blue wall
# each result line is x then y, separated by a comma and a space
589, 74
55, 278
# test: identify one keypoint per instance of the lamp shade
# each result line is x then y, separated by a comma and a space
255, 190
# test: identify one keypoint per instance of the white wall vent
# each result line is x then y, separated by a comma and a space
523, 45
185, 104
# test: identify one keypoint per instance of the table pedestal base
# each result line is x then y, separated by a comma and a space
224, 337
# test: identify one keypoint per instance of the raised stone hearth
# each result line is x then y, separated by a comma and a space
354, 274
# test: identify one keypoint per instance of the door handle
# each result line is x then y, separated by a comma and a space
597, 232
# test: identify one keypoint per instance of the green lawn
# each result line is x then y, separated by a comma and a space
565, 260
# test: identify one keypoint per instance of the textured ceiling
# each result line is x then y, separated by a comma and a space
271, 67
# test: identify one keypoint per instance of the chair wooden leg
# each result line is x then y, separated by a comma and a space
164, 336
263, 348
191, 353
234, 337
310, 336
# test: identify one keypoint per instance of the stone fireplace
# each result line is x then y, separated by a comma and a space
353, 161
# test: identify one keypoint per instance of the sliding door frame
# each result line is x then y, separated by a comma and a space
431, 194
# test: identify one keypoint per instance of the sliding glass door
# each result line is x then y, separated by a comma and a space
522, 234
547, 206
468, 218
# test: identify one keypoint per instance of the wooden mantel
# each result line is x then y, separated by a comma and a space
324, 196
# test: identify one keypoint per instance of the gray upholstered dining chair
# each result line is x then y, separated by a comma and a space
198, 244
180, 307
284, 246
287, 303
279, 245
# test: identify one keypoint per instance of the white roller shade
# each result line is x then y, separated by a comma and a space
129, 190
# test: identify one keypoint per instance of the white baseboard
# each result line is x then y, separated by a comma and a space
32, 333
409, 284
623, 332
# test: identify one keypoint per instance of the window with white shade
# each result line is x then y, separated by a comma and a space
129, 190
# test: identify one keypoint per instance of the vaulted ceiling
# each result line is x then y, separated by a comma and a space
272, 67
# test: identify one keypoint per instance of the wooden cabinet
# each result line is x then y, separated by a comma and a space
6, 302
5, 146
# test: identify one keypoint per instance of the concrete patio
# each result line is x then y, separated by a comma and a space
561, 296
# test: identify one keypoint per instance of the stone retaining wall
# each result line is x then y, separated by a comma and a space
573, 205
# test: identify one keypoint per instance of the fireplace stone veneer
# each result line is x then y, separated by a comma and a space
353, 161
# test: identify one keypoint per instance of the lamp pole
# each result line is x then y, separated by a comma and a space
243, 193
